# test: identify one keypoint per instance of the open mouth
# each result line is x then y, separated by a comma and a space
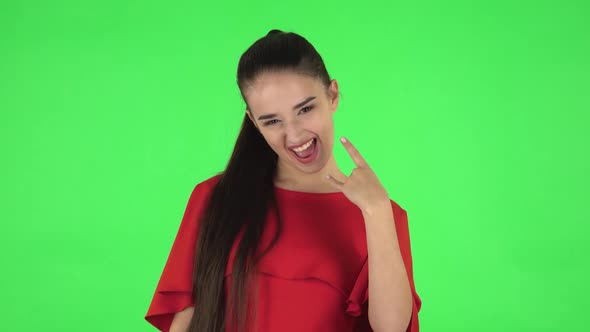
308, 153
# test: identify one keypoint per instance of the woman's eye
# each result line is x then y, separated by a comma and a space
268, 123
310, 107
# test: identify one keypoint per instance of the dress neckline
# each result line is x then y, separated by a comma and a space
304, 193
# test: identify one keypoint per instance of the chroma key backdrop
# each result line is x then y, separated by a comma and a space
474, 116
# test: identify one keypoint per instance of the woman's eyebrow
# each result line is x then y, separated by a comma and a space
272, 115
307, 100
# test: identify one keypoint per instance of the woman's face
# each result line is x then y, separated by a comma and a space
291, 109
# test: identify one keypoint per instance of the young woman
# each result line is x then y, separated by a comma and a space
282, 240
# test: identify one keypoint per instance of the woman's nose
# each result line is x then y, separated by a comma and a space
293, 132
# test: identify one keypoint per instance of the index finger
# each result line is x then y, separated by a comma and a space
354, 153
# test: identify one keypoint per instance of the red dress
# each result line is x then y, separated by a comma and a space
315, 278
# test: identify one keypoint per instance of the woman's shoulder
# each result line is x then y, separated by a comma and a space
196, 204
209, 182
203, 188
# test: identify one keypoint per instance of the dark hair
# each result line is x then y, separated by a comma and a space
244, 194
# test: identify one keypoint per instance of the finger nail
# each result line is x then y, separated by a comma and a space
343, 139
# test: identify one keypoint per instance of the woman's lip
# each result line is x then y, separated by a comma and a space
311, 158
299, 145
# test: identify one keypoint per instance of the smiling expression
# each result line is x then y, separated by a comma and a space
289, 109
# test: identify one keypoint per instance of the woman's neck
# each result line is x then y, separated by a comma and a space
293, 179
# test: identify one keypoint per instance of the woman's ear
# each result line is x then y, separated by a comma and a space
334, 94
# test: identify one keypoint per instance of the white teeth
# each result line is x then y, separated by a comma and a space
304, 146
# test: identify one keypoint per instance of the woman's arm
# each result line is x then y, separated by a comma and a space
390, 299
182, 319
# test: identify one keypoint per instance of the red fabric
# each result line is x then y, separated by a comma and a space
315, 278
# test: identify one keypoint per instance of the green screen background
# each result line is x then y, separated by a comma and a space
473, 115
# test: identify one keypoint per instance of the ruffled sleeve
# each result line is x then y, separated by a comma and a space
174, 290
359, 296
